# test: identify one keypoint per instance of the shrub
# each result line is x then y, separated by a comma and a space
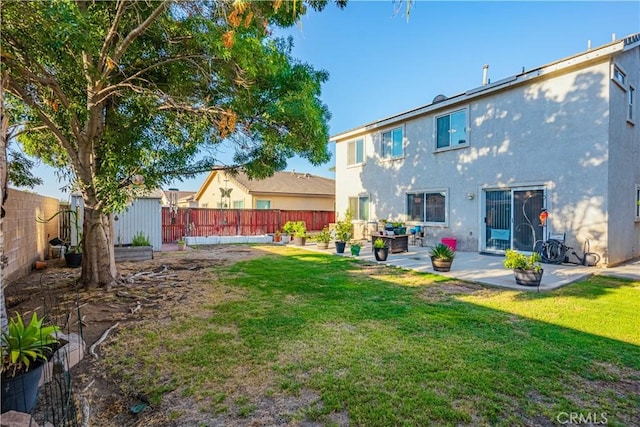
517, 261
442, 252
140, 239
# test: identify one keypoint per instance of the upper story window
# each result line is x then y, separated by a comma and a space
637, 202
451, 129
631, 95
619, 76
238, 204
392, 144
355, 152
359, 207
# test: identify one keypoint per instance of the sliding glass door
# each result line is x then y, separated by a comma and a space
511, 219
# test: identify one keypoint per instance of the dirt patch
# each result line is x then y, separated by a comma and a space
148, 290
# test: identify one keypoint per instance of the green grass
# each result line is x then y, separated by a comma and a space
389, 348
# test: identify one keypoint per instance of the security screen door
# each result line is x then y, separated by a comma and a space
511, 219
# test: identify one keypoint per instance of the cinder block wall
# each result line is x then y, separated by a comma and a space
25, 239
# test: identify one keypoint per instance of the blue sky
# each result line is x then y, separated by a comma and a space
380, 64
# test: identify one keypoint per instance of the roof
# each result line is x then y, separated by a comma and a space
182, 195
587, 56
283, 183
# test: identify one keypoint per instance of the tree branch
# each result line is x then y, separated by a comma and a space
20, 93
102, 60
139, 30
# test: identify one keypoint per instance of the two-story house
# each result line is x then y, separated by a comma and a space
482, 165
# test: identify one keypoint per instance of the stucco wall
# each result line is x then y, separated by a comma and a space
25, 239
307, 203
211, 196
624, 173
552, 133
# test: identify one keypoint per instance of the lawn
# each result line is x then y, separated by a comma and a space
295, 336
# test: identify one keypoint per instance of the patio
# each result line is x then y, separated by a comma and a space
488, 269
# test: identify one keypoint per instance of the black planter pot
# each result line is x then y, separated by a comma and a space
381, 254
441, 265
19, 393
340, 247
73, 259
528, 277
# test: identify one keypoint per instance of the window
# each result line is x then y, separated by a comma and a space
451, 129
637, 202
359, 207
392, 144
238, 204
355, 152
263, 204
631, 99
427, 207
619, 76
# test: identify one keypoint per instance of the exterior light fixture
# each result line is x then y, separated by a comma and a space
470, 196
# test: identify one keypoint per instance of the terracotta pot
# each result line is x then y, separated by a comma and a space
40, 265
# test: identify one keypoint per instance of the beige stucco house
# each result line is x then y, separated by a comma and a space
284, 190
480, 166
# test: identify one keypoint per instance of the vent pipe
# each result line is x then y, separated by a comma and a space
613, 37
485, 71
588, 44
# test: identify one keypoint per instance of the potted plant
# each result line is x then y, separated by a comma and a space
380, 250
323, 238
527, 269
73, 254
399, 228
182, 245
441, 257
355, 248
344, 231
277, 237
24, 351
299, 233
288, 229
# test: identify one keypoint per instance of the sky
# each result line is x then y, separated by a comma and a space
380, 64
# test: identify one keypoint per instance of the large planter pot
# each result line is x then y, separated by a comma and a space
381, 254
441, 264
73, 259
340, 247
323, 245
528, 277
133, 253
20, 392
299, 241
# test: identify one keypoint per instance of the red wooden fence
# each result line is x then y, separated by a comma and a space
233, 222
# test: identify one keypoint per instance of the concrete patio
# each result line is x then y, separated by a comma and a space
488, 269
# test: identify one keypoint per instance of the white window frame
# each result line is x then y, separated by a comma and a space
382, 144
616, 73
356, 214
423, 221
637, 204
240, 204
466, 128
353, 143
631, 101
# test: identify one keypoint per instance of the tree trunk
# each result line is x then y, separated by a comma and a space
4, 137
98, 259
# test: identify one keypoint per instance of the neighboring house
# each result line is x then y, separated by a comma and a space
481, 165
181, 199
284, 190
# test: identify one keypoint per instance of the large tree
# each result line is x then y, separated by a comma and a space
111, 91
